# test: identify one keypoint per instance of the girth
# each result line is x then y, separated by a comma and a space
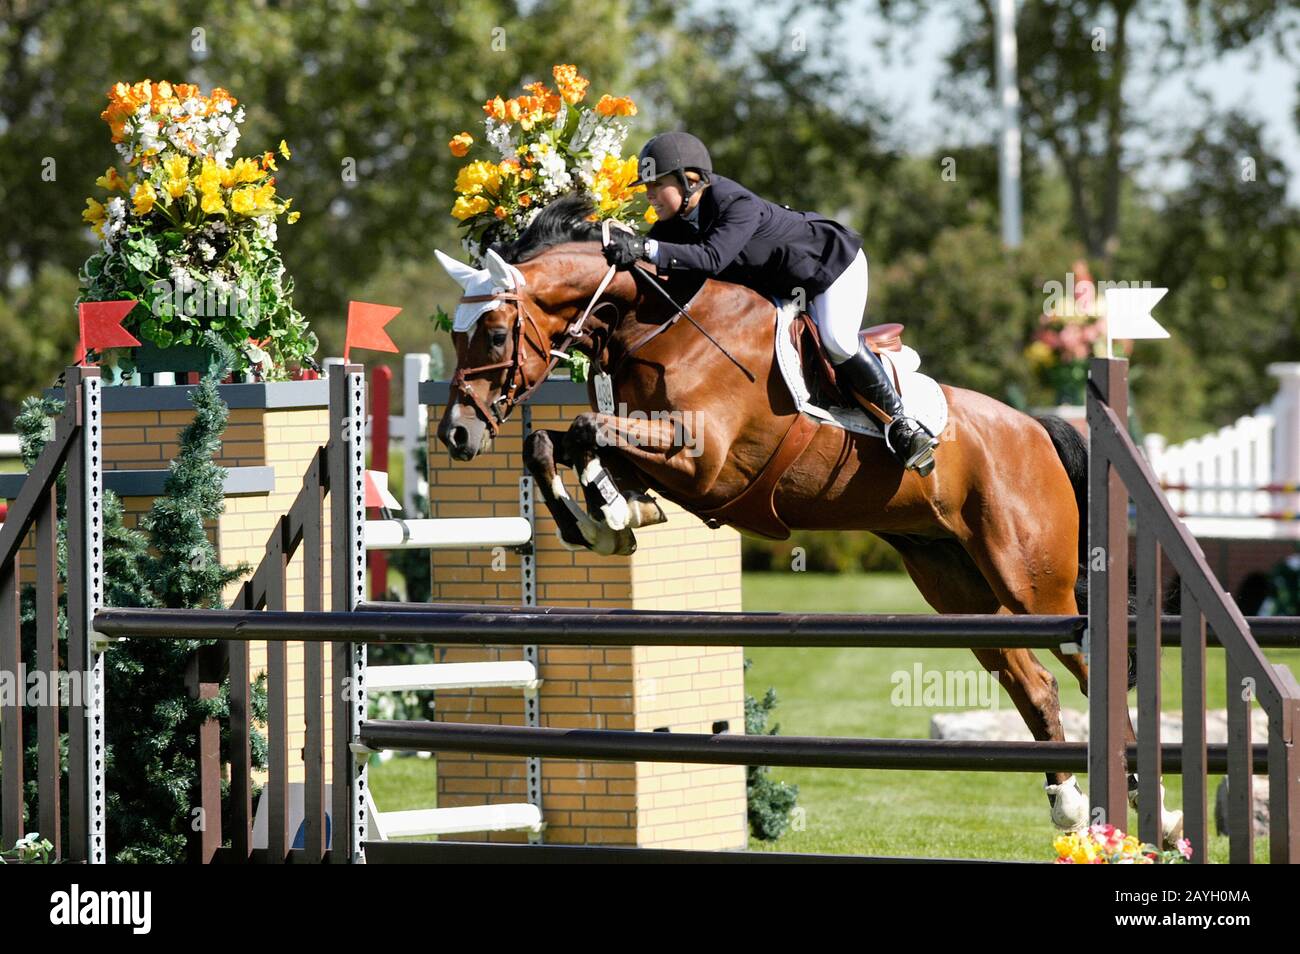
754, 508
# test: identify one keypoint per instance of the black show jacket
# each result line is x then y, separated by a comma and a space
746, 239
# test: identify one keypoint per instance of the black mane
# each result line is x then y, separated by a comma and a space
563, 220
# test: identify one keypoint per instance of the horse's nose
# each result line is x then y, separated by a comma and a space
458, 438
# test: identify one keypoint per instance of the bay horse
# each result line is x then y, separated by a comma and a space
995, 528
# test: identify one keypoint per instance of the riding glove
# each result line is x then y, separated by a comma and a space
624, 248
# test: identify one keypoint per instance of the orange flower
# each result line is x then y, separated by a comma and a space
525, 200
616, 106
460, 144
495, 107
499, 212
571, 85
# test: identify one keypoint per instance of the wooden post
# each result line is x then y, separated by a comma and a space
1107, 602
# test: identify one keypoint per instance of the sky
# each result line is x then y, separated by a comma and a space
1260, 82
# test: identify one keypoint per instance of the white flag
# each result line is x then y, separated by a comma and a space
1128, 314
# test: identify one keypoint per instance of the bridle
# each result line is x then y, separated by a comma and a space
518, 388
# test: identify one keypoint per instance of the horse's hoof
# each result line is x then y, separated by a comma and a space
617, 514
570, 544
1069, 804
1171, 824
624, 543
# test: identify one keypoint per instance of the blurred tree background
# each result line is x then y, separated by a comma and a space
367, 96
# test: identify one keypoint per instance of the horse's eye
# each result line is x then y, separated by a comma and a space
498, 339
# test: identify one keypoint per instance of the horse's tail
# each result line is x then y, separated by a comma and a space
1073, 451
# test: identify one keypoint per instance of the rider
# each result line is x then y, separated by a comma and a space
713, 224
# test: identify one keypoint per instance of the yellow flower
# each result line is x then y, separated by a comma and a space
246, 170
268, 161
1039, 354
94, 213
460, 144
176, 167
467, 206
264, 197
284, 149
651, 215
111, 181
210, 176
177, 187
243, 201
477, 176
144, 198
293, 217
212, 203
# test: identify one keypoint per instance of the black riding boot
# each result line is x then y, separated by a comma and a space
866, 379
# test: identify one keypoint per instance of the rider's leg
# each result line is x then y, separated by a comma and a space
838, 313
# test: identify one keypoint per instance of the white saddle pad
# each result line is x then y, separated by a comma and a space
923, 399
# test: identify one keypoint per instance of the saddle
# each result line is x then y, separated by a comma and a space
754, 509
818, 370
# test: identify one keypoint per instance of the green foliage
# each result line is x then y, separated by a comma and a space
848, 551
770, 802
30, 849
1284, 589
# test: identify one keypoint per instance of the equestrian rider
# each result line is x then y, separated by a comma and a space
714, 225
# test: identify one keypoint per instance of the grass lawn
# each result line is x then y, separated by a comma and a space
848, 692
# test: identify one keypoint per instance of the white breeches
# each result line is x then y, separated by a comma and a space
838, 311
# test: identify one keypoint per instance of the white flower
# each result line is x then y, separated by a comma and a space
207, 251
500, 138
182, 280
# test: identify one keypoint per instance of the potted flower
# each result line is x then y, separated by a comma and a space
547, 143
1071, 329
189, 231
1108, 845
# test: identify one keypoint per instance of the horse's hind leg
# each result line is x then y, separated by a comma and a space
951, 582
1171, 820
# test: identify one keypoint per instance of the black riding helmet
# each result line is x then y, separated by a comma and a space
675, 152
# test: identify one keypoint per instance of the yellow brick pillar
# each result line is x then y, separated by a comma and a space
678, 565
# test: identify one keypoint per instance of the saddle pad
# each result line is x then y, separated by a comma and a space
923, 399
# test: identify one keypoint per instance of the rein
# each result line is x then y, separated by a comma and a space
517, 388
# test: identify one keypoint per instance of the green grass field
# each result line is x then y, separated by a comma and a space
848, 693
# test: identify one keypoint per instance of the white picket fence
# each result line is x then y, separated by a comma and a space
1216, 479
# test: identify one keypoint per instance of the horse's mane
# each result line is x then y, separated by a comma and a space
563, 220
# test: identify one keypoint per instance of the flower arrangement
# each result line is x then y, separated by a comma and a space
1071, 329
547, 143
190, 231
1107, 845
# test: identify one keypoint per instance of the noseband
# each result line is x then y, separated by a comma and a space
517, 387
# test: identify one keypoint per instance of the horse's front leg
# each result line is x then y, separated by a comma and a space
587, 436
543, 450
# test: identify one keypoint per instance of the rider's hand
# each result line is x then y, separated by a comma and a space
624, 248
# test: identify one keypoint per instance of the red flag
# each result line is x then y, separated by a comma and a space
366, 327
101, 326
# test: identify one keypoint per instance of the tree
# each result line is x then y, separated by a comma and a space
1085, 66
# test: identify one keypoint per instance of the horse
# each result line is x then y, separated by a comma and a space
997, 527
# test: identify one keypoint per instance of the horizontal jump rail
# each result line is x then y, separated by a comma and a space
796, 751
447, 533
495, 626
1232, 488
